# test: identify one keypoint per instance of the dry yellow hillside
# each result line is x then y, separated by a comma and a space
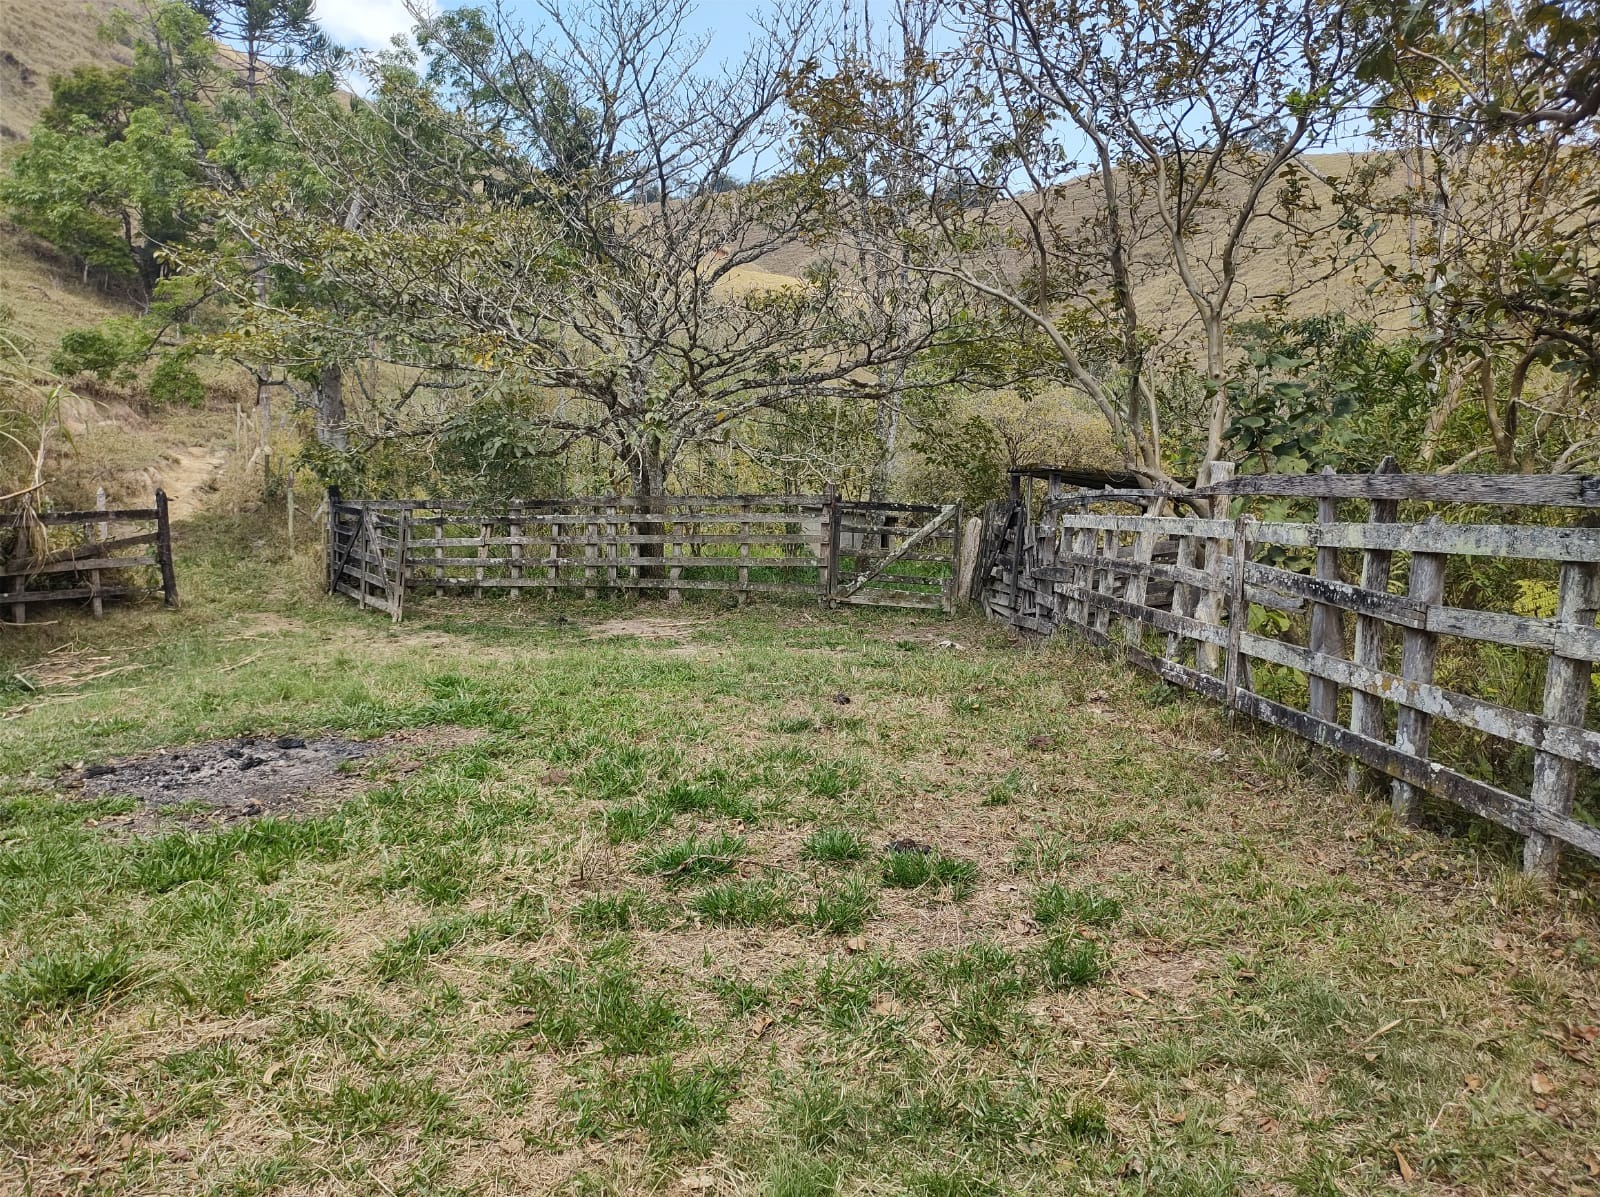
41, 38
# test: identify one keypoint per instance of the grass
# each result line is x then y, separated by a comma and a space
1057, 903
615, 920
922, 869
835, 845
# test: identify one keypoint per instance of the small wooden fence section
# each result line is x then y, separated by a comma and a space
820, 546
89, 556
1361, 635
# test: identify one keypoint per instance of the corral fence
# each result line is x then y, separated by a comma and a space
86, 557
1366, 613
823, 546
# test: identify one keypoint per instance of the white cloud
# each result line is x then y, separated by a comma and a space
363, 24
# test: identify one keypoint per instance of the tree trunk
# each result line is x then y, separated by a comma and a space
331, 427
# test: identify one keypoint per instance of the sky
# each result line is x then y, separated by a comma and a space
369, 24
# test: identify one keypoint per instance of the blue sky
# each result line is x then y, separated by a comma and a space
371, 23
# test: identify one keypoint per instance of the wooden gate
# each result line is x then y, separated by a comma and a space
367, 555
894, 555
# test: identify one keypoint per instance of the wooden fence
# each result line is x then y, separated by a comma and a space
885, 554
90, 556
1365, 635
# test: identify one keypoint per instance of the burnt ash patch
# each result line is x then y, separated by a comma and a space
229, 780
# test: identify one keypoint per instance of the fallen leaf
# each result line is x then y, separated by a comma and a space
856, 943
1541, 1084
763, 1024
272, 1072
1406, 1172
1178, 1117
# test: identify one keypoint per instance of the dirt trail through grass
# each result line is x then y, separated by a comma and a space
826, 906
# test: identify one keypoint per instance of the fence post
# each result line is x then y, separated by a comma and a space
952, 585
1327, 630
591, 555
402, 537
552, 569
675, 559
1137, 588
1238, 611
1209, 607
169, 577
744, 553
96, 603
332, 500
1566, 700
1418, 649
614, 550
1016, 545
483, 552
518, 550
830, 542
1366, 710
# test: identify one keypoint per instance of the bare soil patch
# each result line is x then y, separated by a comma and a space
646, 627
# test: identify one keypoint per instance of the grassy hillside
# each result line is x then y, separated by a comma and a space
41, 38
1275, 268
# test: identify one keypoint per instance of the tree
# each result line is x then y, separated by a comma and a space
859, 120
270, 33
112, 174
504, 244
1100, 146
1490, 119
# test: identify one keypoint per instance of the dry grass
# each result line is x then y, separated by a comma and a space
591, 951
41, 38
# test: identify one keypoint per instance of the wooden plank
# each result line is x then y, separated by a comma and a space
21, 597
1418, 650
1178, 625
105, 547
1527, 542
119, 515
449, 564
1566, 701
87, 565
1523, 490
540, 582
1519, 727
1479, 797
1147, 571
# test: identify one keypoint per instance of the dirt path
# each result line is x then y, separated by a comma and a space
187, 475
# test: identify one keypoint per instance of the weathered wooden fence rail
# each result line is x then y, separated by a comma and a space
89, 556
899, 555
1258, 614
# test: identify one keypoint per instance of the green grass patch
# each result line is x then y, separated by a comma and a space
835, 845
932, 868
695, 858
1057, 903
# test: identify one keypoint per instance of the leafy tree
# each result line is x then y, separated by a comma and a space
1322, 392
1490, 111
506, 240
